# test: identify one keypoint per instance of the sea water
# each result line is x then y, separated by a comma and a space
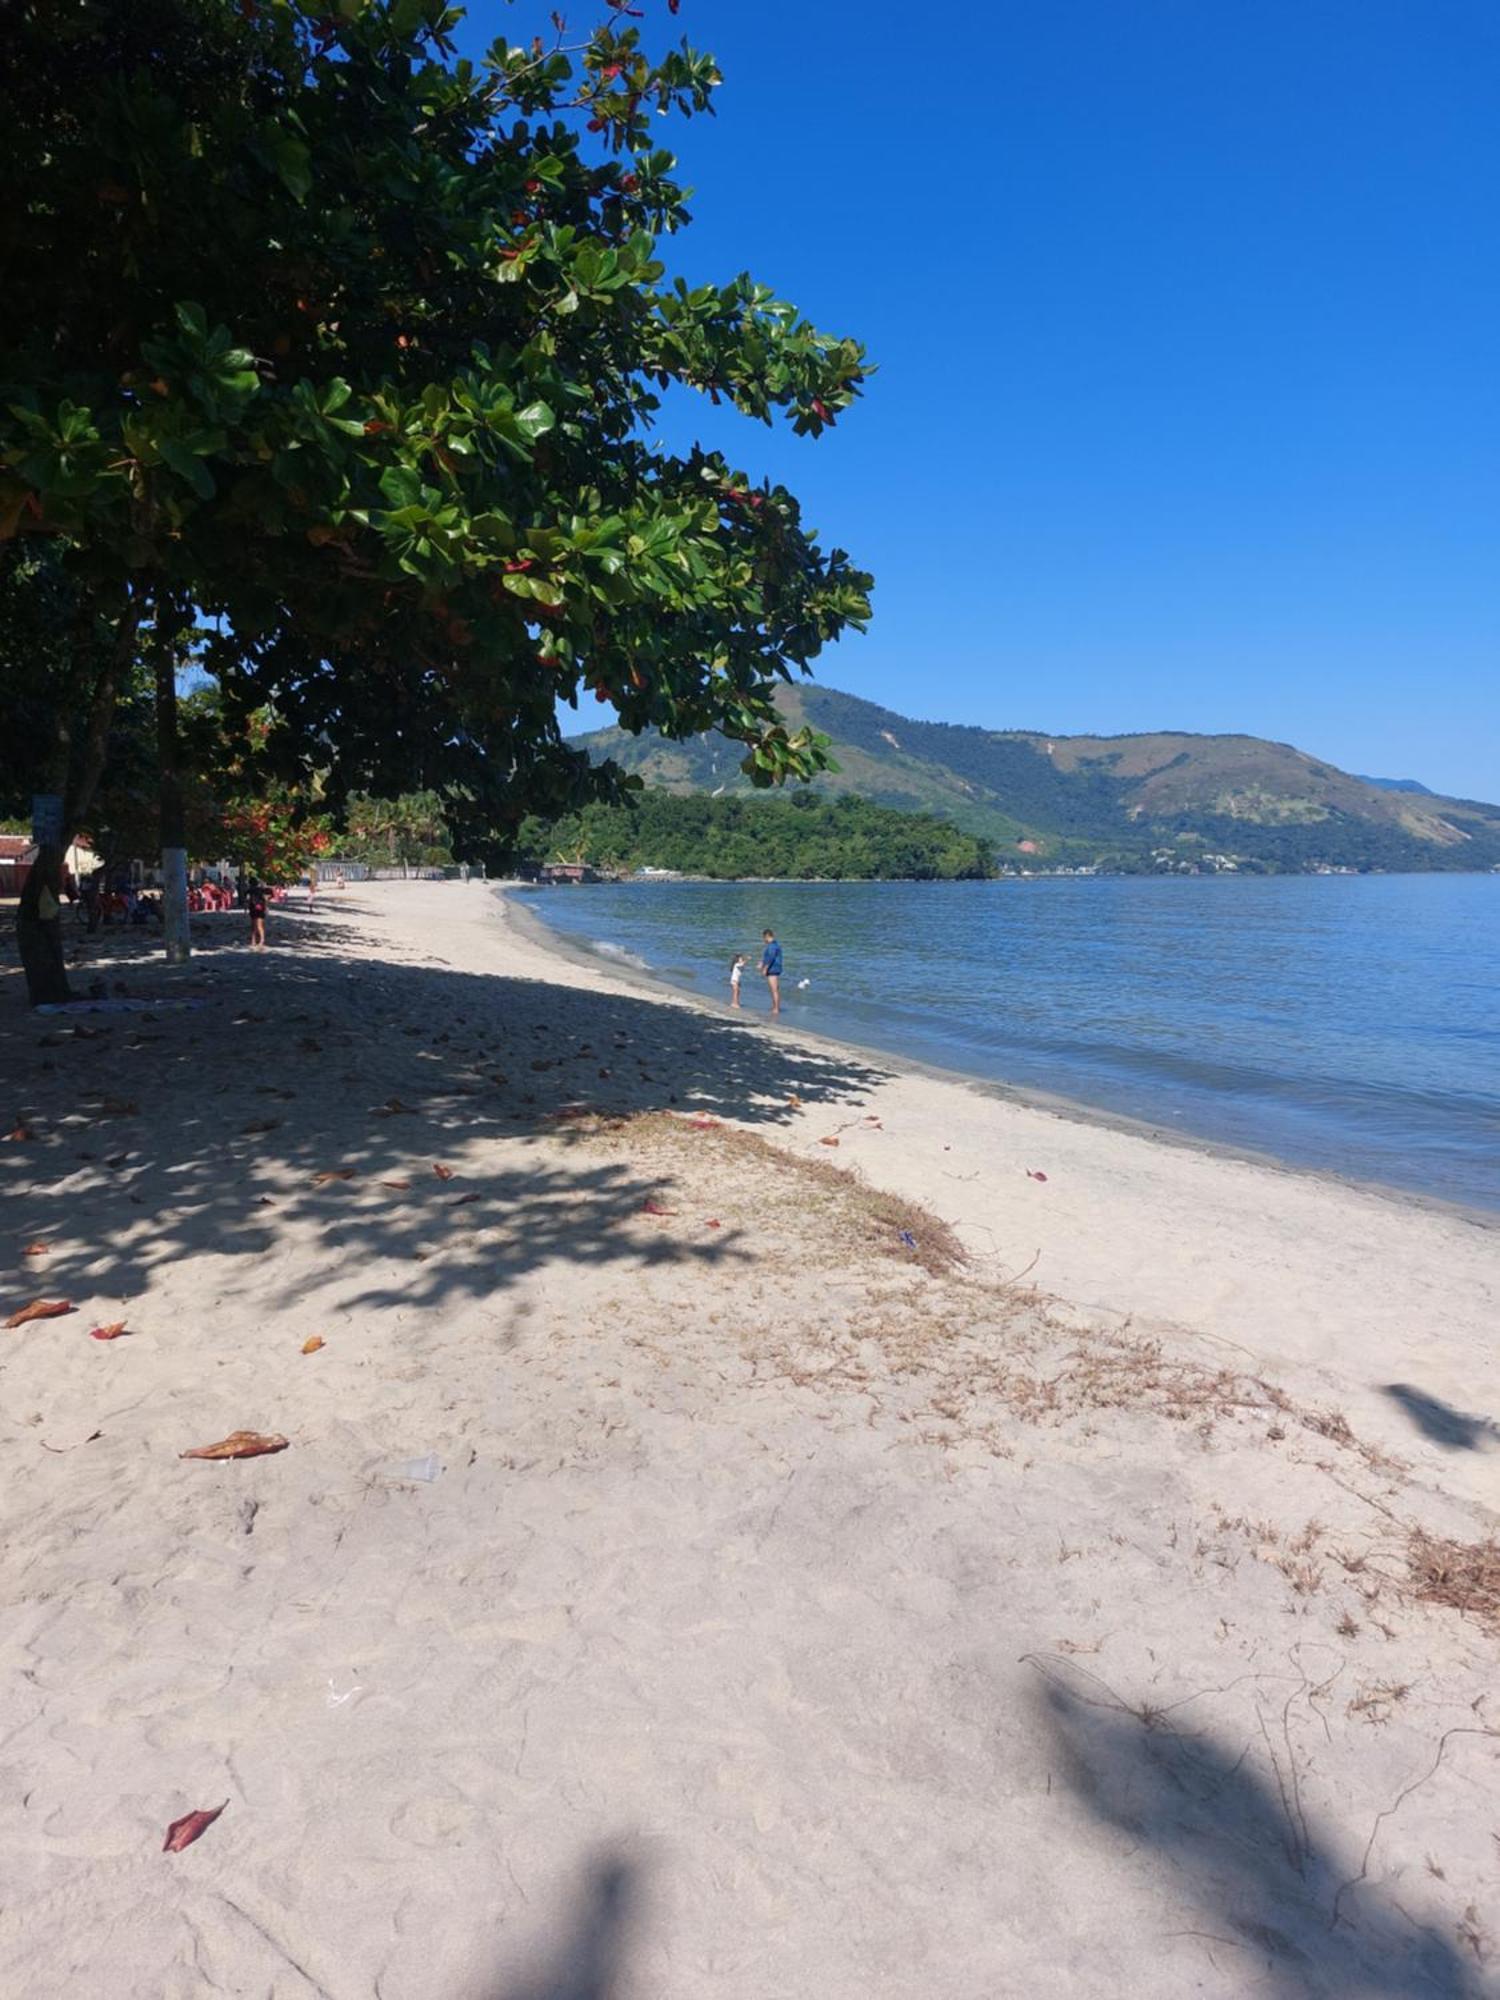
1349, 1023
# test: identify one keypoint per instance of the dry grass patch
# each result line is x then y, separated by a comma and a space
848, 1217
1463, 1575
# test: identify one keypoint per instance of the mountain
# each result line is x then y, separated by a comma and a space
1158, 800
1400, 785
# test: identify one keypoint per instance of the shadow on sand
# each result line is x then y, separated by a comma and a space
587, 1958
184, 1133
1440, 1422
1267, 1886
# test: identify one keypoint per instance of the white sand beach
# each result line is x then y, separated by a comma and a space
846, 1570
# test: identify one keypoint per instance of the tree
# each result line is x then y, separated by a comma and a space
355, 347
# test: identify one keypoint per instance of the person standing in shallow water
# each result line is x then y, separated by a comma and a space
770, 965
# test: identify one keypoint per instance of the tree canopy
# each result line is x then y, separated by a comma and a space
355, 347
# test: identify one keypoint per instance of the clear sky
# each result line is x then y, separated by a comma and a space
1187, 314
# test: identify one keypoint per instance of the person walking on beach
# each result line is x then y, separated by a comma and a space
736, 972
255, 905
770, 965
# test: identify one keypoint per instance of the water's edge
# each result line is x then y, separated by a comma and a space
521, 907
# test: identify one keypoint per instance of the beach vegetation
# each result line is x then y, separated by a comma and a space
802, 835
355, 347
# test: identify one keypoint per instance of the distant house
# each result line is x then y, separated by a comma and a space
556, 872
17, 853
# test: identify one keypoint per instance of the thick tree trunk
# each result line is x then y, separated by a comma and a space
174, 893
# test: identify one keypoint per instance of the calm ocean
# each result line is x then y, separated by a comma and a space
1350, 1023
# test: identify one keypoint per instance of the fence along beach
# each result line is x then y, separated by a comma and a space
684, 1513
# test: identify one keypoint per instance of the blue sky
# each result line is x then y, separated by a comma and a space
1187, 314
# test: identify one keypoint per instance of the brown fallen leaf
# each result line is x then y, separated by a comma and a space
463, 1200
183, 1832
828, 1142
240, 1444
443, 1173
394, 1108
40, 1309
37, 1250
333, 1174
19, 1132
655, 1208
313, 1343
111, 1332
795, 1101
396, 1184
713, 1223
1033, 1175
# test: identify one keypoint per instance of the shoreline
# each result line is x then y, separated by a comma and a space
833, 1510
517, 898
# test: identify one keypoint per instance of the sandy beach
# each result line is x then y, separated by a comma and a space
759, 1522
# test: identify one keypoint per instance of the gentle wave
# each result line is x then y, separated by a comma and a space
1344, 1023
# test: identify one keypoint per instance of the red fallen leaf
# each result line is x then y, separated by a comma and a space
396, 1184
313, 1342
713, 1223
443, 1173
239, 1444
333, 1174
111, 1332
37, 1250
703, 1124
1033, 1175
655, 1208
40, 1309
19, 1132
192, 1826
828, 1142
463, 1200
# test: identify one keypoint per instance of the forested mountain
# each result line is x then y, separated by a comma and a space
1141, 801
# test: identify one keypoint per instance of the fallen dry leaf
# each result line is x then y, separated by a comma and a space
713, 1223
828, 1142
394, 1108
463, 1200
183, 1832
703, 1124
333, 1174
795, 1101
396, 1184
239, 1444
313, 1343
655, 1208
1033, 1175
111, 1332
37, 1250
40, 1309
18, 1132
443, 1173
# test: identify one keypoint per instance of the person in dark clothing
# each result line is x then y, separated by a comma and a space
39, 930
770, 965
255, 905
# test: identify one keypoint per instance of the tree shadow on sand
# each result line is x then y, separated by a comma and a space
586, 1958
343, 1092
1280, 1909
1453, 1429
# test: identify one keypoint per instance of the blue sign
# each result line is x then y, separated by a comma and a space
47, 819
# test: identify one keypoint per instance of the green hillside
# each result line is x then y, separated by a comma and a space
1143, 801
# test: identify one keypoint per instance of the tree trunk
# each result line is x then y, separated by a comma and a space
174, 891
